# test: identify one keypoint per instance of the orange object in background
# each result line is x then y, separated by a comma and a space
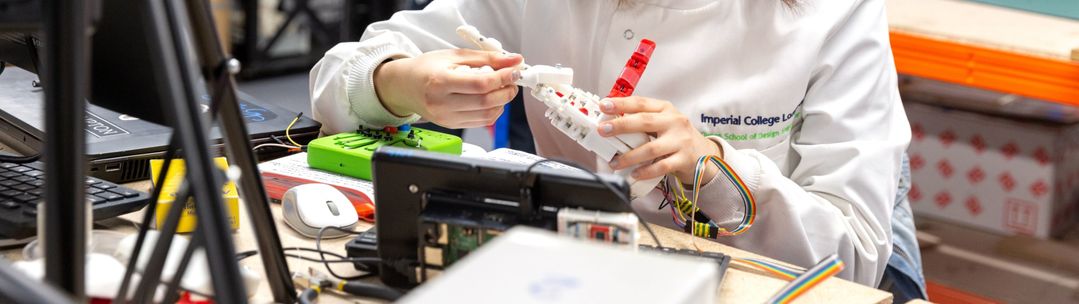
946, 295
1031, 76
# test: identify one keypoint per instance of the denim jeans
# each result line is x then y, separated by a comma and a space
903, 276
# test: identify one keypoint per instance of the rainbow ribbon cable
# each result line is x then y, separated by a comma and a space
826, 268
783, 272
748, 202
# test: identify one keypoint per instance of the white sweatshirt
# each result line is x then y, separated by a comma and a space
803, 100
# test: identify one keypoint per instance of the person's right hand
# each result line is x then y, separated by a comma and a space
430, 86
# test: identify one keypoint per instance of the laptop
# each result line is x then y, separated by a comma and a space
119, 147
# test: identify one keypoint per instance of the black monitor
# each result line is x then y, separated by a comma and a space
122, 71
421, 195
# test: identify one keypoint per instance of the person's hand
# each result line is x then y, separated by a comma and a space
675, 149
430, 86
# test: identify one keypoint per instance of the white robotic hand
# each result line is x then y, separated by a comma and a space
573, 111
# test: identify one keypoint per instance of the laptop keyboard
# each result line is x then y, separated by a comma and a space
21, 187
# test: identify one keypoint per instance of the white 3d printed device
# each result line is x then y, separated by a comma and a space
573, 111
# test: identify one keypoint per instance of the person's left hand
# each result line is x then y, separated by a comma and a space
675, 149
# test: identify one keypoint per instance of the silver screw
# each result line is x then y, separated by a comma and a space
234, 66
413, 188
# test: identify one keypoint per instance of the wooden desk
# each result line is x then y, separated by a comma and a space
737, 287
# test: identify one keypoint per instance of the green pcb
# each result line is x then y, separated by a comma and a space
350, 153
462, 240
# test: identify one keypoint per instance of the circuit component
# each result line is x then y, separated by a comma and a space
449, 234
608, 227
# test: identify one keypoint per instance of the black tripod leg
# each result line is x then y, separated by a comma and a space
65, 77
151, 274
180, 76
239, 151
172, 294
147, 217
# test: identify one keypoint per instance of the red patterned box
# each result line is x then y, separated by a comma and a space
999, 174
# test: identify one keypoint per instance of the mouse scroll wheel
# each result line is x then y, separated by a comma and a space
333, 208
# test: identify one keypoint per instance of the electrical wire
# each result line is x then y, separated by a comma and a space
322, 254
289, 128
621, 196
780, 271
19, 159
289, 147
308, 296
340, 258
698, 223
824, 269
277, 139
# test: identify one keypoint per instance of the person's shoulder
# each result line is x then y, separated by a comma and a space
828, 16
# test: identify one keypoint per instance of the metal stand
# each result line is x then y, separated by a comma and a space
221, 68
184, 41
65, 76
174, 33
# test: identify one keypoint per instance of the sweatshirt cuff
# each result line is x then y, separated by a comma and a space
360, 88
719, 198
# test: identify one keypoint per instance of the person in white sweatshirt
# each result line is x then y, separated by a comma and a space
798, 96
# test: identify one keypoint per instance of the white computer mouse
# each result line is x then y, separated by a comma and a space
308, 208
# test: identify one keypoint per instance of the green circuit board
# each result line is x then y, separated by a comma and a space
350, 153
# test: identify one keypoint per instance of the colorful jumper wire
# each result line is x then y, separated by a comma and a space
686, 213
826, 268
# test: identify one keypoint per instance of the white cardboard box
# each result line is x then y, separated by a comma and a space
529, 265
999, 174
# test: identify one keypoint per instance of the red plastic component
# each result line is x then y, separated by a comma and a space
391, 130
185, 298
600, 232
585, 111
631, 74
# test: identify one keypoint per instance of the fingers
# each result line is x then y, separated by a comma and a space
481, 58
481, 118
472, 102
645, 153
660, 168
476, 83
636, 123
632, 104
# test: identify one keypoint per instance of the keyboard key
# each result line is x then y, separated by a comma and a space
10, 174
21, 169
111, 196
90, 181
31, 211
126, 192
25, 198
35, 192
34, 173
24, 178
92, 190
9, 204
104, 186
23, 187
11, 193
10, 183
94, 199
37, 183
8, 165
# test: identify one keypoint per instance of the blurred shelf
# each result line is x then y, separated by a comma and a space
987, 47
1010, 269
